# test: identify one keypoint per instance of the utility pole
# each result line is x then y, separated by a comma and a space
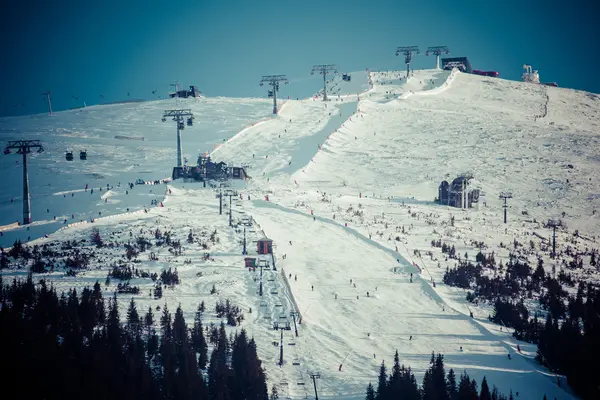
260, 289
47, 94
505, 196
285, 327
437, 51
230, 194
323, 69
552, 223
178, 116
244, 252
273, 80
408, 52
314, 378
220, 196
24, 147
294, 314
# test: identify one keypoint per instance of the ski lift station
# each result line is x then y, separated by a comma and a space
209, 170
459, 193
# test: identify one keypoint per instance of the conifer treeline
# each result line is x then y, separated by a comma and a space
437, 385
76, 347
569, 339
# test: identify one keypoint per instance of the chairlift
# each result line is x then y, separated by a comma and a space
83, 155
163, 119
69, 156
270, 93
180, 126
190, 121
7, 151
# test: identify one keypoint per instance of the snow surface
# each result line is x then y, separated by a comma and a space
372, 161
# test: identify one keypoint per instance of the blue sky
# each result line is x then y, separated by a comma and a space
87, 48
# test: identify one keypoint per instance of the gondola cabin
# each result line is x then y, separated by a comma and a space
264, 246
250, 262
69, 156
83, 155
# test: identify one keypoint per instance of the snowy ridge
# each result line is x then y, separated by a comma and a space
436, 90
350, 188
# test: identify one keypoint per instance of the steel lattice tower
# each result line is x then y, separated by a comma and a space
408, 52
273, 80
323, 69
24, 147
437, 51
178, 116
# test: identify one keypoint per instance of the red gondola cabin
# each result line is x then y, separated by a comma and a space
250, 262
265, 246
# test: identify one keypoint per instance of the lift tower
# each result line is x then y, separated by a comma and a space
505, 196
47, 94
178, 116
314, 378
273, 80
437, 51
408, 52
323, 69
24, 147
552, 223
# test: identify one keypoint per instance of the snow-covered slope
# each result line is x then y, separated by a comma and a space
367, 167
57, 186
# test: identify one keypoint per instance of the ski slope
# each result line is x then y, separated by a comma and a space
350, 185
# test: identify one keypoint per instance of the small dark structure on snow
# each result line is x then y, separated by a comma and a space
462, 63
264, 246
346, 77
192, 92
208, 170
458, 193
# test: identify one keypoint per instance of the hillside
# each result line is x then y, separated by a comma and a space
350, 188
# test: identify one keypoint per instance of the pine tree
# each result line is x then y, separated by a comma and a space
474, 389
485, 390
439, 375
465, 388
133, 319
394, 386
370, 392
198, 339
434, 383
451, 385
149, 321
165, 322
410, 389
382, 383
